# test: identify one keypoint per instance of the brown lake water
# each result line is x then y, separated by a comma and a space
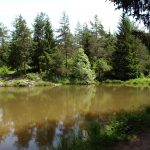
36, 118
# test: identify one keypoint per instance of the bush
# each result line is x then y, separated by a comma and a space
101, 67
81, 68
19, 83
33, 76
126, 125
4, 70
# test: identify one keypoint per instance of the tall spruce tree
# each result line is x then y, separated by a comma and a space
48, 47
97, 39
78, 35
4, 45
65, 38
20, 45
86, 35
38, 38
125, 63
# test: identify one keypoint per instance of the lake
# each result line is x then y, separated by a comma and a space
36, 118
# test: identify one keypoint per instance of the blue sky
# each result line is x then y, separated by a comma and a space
78, 10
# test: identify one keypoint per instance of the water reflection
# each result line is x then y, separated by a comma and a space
36, 118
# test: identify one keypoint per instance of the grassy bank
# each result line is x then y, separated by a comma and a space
11, 78
109, 135
28, 80
141, 82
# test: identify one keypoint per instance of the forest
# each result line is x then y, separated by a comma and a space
90, 54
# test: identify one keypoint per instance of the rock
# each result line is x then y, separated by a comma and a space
1, 84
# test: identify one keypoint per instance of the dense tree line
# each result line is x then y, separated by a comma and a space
88, 54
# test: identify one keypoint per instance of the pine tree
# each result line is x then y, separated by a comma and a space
86, 36
38, 38
65, 38
4, 45
125, 63
48, 47
20, 45
78, 35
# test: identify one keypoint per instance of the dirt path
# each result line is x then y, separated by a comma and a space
143, 143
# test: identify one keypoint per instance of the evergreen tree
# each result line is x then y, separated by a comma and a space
38, 38
78, 35
65, 38
143, 57
125, 63
48, 47
81, 68
4, 45
109, 45
55, 65
86, 35
97, 39
20, 45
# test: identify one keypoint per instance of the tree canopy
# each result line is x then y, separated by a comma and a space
140, 9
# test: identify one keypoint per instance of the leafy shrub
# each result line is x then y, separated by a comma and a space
81, 68
33, 76
4, 70
19, 83
125, 125
101, 67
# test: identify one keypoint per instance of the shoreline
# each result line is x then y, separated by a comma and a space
138, 82
25, 82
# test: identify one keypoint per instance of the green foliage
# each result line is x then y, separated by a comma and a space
143, 36
120, 57
33, 76
4, 71
81, 68
126, 125
19, 83
138, 9
20, 45
55, 65
44, 42
139, 81
101, 67
65, 39
4, 46
103, 135
143, 57
125, 62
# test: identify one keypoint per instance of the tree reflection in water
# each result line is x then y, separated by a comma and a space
38, 118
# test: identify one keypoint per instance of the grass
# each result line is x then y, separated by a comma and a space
143, 82
119, 129
139, 81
